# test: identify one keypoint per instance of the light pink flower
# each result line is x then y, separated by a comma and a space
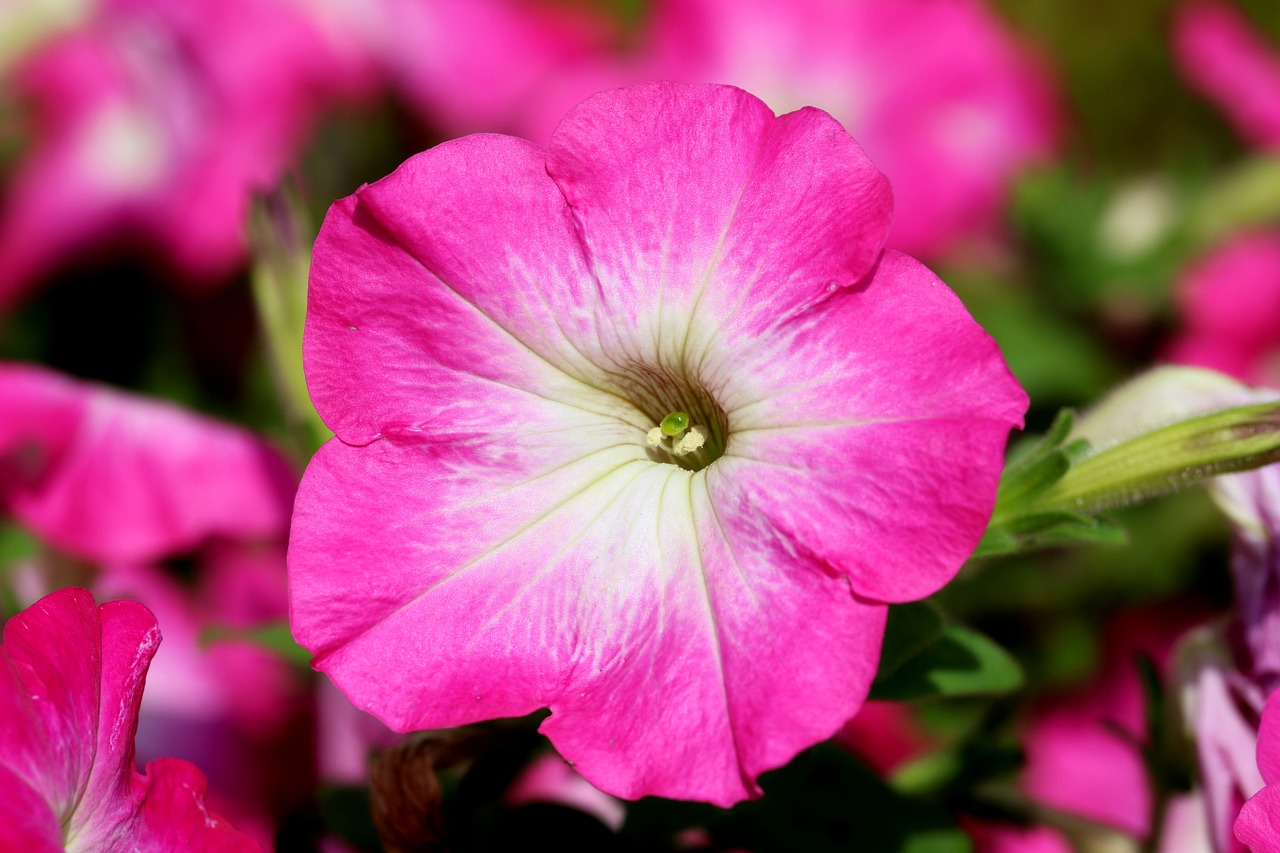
110, 476
1224, 58
495, 330
1258, 824
942, 97
70, 685
1230, 307
155, 121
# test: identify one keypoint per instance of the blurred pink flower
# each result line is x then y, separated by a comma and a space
1229, 302
471, 65
497, 528
155, 121
124, 482
884, 735
110, 476
548, 779
70, 686
1083, 748
1258, 825
1224, 58
946, 102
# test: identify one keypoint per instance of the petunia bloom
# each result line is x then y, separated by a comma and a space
643, 427
70, 686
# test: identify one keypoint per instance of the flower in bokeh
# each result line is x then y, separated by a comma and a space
1230, 63
943, 98
111, 476
643, 427
1229, 302
1258, 824
70, 686
470, 65
153, 121
135, 497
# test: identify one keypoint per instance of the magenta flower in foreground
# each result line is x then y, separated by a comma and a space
1258, 825
70, 685
499, 334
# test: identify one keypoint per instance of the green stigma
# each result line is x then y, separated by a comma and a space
674, 423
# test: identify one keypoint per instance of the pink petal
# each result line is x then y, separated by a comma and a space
410, 302
27, 823
121, 477
71, 685
175, 817
512, 611
1229, 62
732, 224
1269, 741
1258, 824
897, 416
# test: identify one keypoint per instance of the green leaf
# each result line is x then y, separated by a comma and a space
825, 801
960, 662
910, 629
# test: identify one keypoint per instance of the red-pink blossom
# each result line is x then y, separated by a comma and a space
495, 333
70, 686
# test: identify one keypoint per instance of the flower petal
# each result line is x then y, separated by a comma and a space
29, 824
621, 584
485, 288
732, 223
896, 416
175, 817
116, 476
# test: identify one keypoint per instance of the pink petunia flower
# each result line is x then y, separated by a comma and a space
1258, 825
1224, 58
945, 101
70, 686
155, 121
643, 427
1230, 307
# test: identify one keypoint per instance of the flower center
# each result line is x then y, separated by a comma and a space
690, 428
